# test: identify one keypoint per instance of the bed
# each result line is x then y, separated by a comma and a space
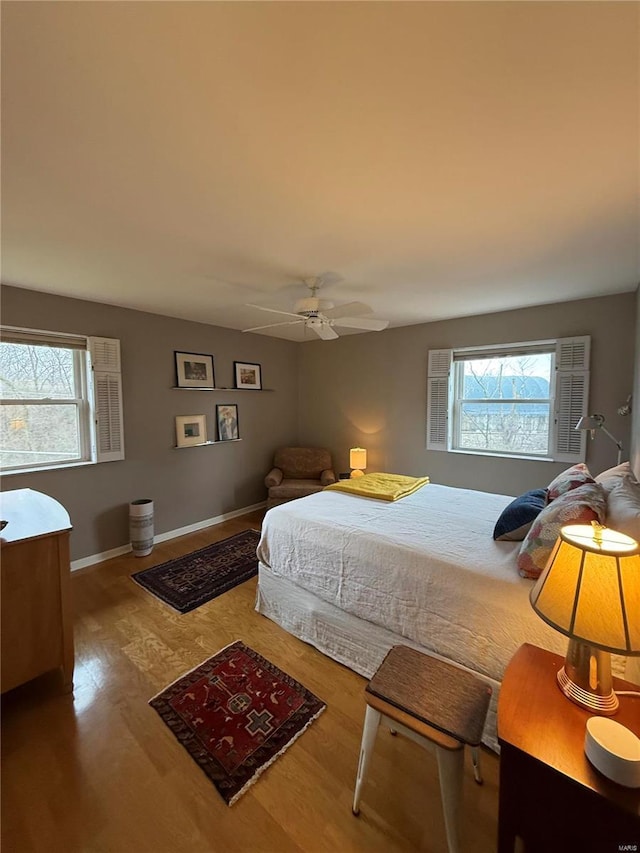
353, 576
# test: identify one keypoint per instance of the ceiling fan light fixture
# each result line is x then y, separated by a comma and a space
312, 304
321, 315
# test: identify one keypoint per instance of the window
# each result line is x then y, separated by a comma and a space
60, 401
511, 400
502, 404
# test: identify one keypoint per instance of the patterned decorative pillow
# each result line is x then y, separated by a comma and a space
581, 505
516, 519
573, 477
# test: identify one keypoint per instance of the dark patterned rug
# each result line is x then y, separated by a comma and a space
235, 714
187, 582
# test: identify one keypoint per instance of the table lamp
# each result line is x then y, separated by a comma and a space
357, 461
590, 591
596, 422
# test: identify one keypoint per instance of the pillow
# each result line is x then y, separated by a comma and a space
573, 477
516, 519
612, 476
623, 508
581, 505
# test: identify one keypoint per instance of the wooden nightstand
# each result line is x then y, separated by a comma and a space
550, 795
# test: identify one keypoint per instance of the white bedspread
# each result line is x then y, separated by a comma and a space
425, 567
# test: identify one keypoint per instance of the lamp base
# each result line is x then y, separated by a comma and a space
586, 680
356, 473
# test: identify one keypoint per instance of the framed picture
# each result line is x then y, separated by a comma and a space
248, 375
194, 370
191, 430
227, 417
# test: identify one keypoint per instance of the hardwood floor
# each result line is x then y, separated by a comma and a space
99, 771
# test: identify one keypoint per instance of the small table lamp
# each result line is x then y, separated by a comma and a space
357, 461
590, 591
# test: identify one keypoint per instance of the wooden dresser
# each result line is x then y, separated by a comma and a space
36, 627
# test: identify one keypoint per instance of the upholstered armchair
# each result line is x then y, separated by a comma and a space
297, 472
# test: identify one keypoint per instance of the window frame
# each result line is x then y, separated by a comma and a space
569, 388
457, 386
96, 367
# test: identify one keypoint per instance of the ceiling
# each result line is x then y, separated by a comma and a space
439, 159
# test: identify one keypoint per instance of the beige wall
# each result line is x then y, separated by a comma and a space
635, 436
362, 389
187, 485
370, 390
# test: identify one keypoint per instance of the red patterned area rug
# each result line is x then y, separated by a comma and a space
235, 714
192, 580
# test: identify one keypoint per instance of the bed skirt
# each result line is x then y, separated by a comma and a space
358, 644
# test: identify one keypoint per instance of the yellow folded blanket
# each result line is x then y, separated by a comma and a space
384, 487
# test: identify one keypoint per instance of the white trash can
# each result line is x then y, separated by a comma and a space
141, 526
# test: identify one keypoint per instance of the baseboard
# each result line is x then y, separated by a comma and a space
94, 559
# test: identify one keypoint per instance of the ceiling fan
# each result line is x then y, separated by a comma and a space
320, 315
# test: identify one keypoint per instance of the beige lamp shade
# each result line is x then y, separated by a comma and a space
357, 457
590, 588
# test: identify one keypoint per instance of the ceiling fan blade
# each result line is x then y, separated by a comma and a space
273, 325
350, 309
324, 331
362, 323
273, 310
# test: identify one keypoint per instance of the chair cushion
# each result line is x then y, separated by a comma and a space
302, 462
295, 488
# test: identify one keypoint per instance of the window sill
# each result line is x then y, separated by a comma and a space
82, 464
501, 455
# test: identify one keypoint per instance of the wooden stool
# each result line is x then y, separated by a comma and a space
434, 704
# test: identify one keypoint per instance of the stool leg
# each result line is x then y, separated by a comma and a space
450, 770
475, 757
369, 732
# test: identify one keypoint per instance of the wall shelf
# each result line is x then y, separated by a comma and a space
204, 443
254, 390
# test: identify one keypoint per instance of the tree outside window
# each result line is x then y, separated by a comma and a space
503, 404
43, 396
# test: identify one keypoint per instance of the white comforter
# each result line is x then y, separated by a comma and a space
425, 567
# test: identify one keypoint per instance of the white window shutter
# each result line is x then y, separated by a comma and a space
571, 397
107, 397
439, 362
105, 354
438, 399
